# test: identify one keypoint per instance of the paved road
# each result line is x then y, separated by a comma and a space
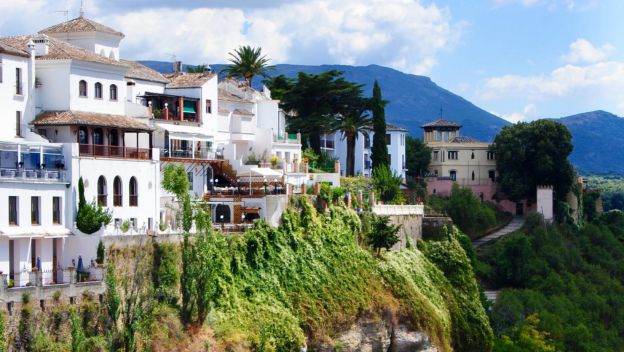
514, 225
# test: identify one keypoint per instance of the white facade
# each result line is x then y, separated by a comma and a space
395, 140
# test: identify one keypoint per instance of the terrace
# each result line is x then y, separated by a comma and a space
173, 108
31, 163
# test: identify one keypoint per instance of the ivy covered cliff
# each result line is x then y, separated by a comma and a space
275, 289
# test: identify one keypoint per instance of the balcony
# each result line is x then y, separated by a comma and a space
112, 151
17, 174
290, 138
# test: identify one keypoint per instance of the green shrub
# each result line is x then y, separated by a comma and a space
92, 217
387, 185
125, 226
101, 253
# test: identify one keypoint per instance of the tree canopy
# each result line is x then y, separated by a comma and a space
319, 104
417, 156
533, 154
379, 153
247, 62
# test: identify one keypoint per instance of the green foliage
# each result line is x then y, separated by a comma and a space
351, 123
379, 151
528, 337
25, 331
112, 299
323, 162
314, 103
247, 62
381, 234
611, 188
198, 68
101, 253
468, 213
175, 180
387, 185
125, 226
589, 205
533, 154
3, 342
571, 278
165, 273
92, 217
417, 157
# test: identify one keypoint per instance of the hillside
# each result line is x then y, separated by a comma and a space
413, 99
598, 137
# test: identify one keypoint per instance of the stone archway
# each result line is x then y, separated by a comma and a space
222, 214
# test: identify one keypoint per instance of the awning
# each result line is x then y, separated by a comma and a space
34, 232
189, 106
260, 172
184, 132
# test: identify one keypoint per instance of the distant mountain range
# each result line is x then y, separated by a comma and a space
598, 136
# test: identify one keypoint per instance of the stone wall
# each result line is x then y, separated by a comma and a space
434, 226
409, 217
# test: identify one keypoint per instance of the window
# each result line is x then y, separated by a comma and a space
453, 155
367, 163
491, 174
83, 135
18, 123
82, 88
13, 211
491, 156
453, 175
98, 90
208, 106
134, 192
133, 223
112, 95
472, 155
56, 210
190, 180
102, 193
18, 81
435, 155
34, 211
366, 141
473, 175
117, 192
388, 139
403, 160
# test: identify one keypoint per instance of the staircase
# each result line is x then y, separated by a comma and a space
225, 170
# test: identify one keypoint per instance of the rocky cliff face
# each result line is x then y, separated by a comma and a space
379, 335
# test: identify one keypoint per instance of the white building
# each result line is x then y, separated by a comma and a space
336, 144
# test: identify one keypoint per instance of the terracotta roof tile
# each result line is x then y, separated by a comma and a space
464, 139
7, 49
72, 118
140, 71
60, 50
227, 96
441, 123
243, 112
188, 80
390, 127
80, 24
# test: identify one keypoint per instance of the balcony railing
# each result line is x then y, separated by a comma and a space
187, 154
32, 175
112, 151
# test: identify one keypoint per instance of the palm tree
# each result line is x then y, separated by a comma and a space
351, 125
197, 69
247, 62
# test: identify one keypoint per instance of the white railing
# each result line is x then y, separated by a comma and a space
32, 175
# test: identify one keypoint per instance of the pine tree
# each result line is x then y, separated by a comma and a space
380, 148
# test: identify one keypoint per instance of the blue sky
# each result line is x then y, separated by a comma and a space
520, 59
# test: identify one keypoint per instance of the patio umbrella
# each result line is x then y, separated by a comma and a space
258, 172
39, 264
80, 266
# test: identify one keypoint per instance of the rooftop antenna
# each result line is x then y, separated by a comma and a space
66, 12
81, 9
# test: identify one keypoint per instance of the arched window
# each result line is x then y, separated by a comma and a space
473, 175
82, 88
83, 135
102, 193
222, 214
98, 90
134, 192
113, 92
117, 192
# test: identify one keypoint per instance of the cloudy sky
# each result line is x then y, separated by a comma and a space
520, 59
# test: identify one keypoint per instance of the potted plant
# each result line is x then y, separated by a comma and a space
274, 161
125, 226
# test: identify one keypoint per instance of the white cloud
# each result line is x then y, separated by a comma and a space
528, 113
598, 78
403, 34
572, 5
582, 50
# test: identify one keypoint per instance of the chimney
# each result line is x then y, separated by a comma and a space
177, 66
42, 44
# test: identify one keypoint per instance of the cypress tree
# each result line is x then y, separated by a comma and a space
81, 197
380, 149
